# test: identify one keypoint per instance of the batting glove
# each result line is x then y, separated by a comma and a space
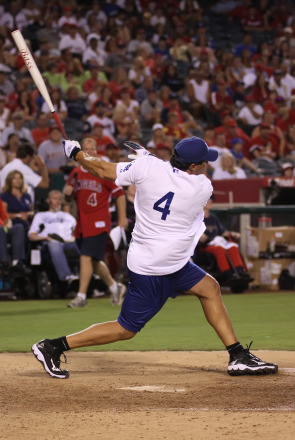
139, 150
71, 148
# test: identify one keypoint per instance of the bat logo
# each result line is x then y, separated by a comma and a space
26, 58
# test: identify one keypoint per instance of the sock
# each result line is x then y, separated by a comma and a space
81, 295
60, 343
235, 348
113, 288
14, 263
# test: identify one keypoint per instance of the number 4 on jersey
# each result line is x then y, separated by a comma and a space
165, 211
92, 200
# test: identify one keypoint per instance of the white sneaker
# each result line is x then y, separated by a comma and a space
117, 298
78, 302
70, 278
97, 294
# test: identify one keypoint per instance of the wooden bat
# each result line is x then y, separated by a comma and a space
36, 75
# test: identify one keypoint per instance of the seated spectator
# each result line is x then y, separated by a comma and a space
239, 95
251, 114
93, 53
139, 42
228, 169
12, 98
117, 58
266, 139
72, 40
219, 145
6, 86
111, 152
17, 237
52, 74
173, 128
260, 91
4, 113
163, 151
24, 155
16, 201
55, 229
215, 241
16, 127
221, 100
41, 132
95, 76
275, 131
171, 79
99, 116
261, 154
162, 46
159, 136
10, 148
158, 69
75, 106
287, 170
276, 83
138, 72
25, 106
198, 92
233, 131
253, 21
209, 135
246, 44
131, 105
101, 140
51, 151
58, 104
290, 142
241, 161
150, 110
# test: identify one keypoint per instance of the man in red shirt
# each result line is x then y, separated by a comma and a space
267, 140
221, 100
172, 128
101, 140
89, 84
92, 195
232, 132
41, 132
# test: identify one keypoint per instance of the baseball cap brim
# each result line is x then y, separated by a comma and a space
212, 155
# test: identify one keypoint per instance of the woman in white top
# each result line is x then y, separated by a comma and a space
228, 169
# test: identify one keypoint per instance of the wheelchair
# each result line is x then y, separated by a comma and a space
208, 263
45, 279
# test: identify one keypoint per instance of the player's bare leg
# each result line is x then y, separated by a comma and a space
208, 292
86, 272
117, 289
99, 334
241, 360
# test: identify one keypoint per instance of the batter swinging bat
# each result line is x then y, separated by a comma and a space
36, 75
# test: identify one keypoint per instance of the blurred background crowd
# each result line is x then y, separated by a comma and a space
153, 72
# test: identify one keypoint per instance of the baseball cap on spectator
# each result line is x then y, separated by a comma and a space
288, 30
219, 130
231, 123
194, 150
53, 127
157, 126
162, 146
236, 141
17, 115
286, 166
254, 147
99, 103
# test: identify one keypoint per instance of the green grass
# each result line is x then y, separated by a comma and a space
268, 319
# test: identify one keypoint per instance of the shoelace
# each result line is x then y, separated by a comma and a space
247, 350
58, 360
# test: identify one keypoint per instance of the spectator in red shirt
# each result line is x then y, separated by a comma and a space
101, 140
65, 59
41, 132
267, 140
90, 83
93, 225
158, 69
221, 100
260, 91
276, 133
12, 99
253, 20
172, 128
232, 132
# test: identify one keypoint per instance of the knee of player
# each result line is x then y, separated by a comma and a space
125, 334
215, 287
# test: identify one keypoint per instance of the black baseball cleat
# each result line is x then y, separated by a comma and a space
245, 363
49, 357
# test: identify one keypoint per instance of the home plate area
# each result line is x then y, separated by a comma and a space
146, 395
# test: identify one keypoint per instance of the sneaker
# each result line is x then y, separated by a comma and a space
49, 357
78, 302
245, 363
117, 298
70, 278
97, 293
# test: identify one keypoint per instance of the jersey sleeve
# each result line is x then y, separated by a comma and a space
132, 173
72, 178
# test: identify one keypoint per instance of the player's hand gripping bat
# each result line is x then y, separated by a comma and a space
139, 150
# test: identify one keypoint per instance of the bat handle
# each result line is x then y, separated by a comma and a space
57, 120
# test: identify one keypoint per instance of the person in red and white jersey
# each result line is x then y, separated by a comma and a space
93, 195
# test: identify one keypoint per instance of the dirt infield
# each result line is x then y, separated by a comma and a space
146, 395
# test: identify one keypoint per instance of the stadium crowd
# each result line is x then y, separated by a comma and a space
146, 71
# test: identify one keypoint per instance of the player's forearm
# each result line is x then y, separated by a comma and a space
97, 166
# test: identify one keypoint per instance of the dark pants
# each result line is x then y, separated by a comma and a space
17, 236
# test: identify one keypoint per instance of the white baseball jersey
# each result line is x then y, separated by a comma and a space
169, 207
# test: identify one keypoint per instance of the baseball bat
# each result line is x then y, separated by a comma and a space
36, 75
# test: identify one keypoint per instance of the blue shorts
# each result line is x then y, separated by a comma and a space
146, 295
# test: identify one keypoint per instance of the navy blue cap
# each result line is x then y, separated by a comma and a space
194, 150
236, 141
